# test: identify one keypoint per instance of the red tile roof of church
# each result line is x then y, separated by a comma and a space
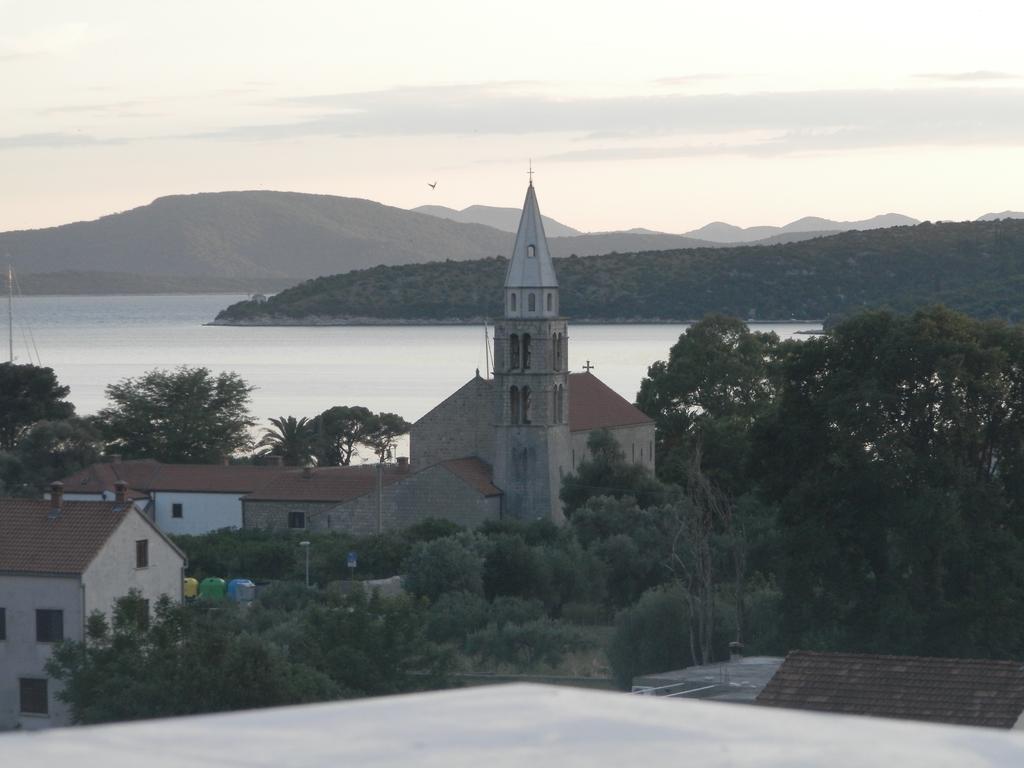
475, 473
595, 405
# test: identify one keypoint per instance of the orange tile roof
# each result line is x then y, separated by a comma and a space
595, 405
33, 541
961, 691
146, 475
475, 473
333, 484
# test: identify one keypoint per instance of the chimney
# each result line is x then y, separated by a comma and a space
56, 497
403, 463
120, 491
735, 651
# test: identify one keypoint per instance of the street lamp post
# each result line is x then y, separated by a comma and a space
305, 546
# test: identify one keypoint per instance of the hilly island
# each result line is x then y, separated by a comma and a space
975, 267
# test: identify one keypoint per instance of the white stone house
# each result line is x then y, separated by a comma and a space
59, 562
179, 498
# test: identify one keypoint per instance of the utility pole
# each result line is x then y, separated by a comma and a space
10, 313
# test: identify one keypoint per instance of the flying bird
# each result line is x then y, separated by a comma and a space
432, 186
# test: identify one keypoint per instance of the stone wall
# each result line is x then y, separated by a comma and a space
636, 442
432, 492
460, 426
273, 515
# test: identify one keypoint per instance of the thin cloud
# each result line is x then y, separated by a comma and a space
55, 141
104, 108
975, 76
698, 77
787, 122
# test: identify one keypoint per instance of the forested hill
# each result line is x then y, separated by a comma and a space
976, 267
273, 235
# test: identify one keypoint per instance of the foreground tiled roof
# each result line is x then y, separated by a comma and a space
334, 484
475, 473
145, 475
32, 540
961, 691
595, 405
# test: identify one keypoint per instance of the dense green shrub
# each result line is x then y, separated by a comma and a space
650, 636
443, 565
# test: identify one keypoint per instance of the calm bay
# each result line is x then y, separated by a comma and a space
92, 341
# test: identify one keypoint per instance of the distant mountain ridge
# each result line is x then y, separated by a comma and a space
254, 239
505, 219
720, 232
276, 235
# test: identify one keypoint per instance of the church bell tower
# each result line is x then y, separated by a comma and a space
531, 361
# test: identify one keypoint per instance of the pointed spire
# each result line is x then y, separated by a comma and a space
531, 265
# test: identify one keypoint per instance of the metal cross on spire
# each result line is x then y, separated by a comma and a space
530, 172
588, 367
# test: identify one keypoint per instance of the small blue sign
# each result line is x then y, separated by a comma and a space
351, 559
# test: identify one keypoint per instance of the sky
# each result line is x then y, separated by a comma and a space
664, 115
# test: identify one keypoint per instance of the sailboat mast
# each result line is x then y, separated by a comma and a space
10, 313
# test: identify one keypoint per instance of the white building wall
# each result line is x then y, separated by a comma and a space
113, 573
200, 512
20, 654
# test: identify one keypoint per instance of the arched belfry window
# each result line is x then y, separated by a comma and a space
513, 396
559, 404
532, 303
555, 356
550, 301
531, 251
559, 345
526, 405
526, 351
512, 301
513, 352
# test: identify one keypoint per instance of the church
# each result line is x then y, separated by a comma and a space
498, 447
530, 423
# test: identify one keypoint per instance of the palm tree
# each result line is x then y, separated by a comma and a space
290, 438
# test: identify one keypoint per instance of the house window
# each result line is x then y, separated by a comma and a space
3, 623
296, 519
33, 699
49, 625
532, 302
176, 510
142, 553
531, 251
526, 351
142, 619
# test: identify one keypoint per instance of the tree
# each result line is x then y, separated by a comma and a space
29, 393
895, 457
384, 432
339, 430
290, 438
605, 472
49, 450
719, 377
185, 415
443, 565
650, 636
